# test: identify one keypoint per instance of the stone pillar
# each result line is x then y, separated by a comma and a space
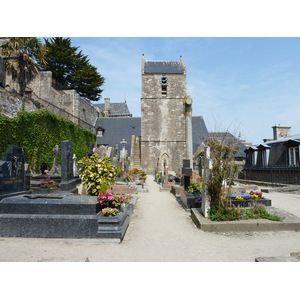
205, 196
188, 126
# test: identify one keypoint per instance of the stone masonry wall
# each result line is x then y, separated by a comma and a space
64, 103
163, 126
11, 103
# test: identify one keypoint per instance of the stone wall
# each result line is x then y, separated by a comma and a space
11, 103
64, 103
163, 124
2, 73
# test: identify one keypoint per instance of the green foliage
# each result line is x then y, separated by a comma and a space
23, 53
232, 213
194, 185
71, 69
225, 213
97, 174
39, 132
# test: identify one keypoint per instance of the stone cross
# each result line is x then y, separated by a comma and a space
123, 155
54, 166
75, 169
205, 196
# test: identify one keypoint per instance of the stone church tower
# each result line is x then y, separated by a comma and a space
166, 135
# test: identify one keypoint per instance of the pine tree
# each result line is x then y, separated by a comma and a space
71, 69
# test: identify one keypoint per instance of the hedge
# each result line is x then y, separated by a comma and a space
39, 132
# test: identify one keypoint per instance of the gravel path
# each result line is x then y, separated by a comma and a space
162, 231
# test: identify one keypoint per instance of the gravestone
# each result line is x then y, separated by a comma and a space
12, 172
186, 174
68, 183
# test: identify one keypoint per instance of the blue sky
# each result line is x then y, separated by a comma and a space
245, 84
242, 57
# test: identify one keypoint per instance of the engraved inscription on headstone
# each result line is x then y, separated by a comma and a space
12, 173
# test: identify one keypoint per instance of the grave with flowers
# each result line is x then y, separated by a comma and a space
249, 198
191, 196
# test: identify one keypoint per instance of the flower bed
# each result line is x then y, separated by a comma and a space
249, 198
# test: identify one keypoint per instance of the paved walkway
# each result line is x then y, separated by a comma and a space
162, 231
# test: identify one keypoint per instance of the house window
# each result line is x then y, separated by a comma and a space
251, 157
263, 154
294, 156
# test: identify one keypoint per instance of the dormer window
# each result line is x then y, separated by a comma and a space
100, 131
293, 152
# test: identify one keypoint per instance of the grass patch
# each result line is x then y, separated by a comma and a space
232, 213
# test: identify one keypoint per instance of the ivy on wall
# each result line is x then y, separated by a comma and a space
39, 132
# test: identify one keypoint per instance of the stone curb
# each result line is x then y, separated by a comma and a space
292, 223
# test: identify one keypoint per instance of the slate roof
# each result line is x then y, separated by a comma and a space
163, 67
295, 137
116, 108
199, 131
228, 135
117, 129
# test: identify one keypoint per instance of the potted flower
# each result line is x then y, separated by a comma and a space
48, 183
109, 212
194, 186
107, 199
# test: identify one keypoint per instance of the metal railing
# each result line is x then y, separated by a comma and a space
273, 174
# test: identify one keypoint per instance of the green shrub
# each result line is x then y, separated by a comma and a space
39, 132
97, 174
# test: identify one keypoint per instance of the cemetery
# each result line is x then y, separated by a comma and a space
70, 183
40, 213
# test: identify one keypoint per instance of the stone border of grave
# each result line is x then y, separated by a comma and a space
290, 222
61, 216
294, 257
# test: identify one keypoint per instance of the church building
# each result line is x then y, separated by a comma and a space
166, 133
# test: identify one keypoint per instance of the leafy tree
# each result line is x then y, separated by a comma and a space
22, 54
71, 69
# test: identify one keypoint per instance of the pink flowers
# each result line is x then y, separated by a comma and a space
107, 199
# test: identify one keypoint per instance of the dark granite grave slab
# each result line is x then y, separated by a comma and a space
50, 204
61, 216
48, 226
248, 203
113, 227
188, 201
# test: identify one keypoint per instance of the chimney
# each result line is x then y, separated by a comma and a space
281, 131
107, 104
